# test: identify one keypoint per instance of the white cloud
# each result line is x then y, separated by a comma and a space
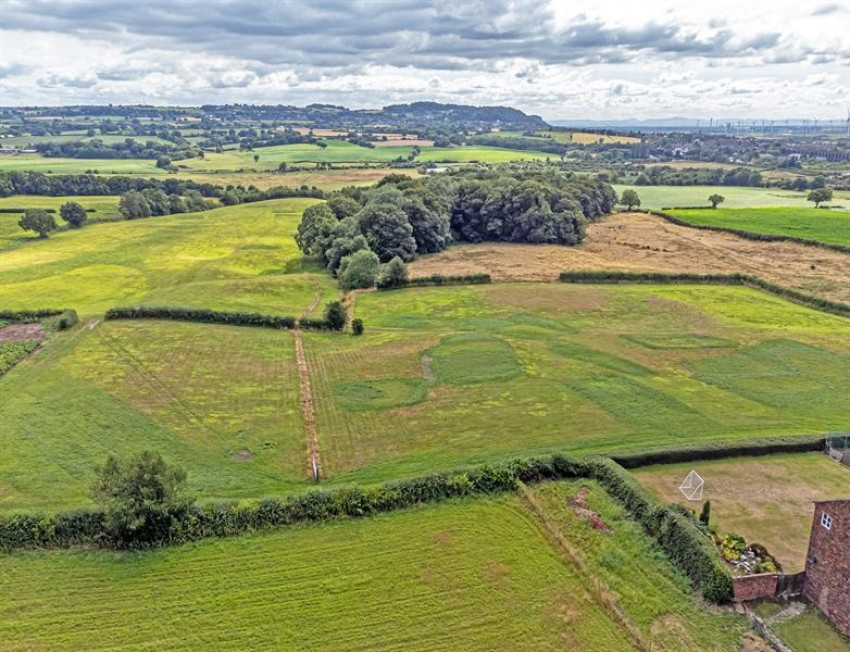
583, 58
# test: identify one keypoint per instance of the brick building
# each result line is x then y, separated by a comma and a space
827, 582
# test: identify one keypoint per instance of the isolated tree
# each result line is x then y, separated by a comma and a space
133, 205
256, 157
282, 167
393, 274
335, 316
74, 214
144, 499
357, 326
630, 199
359, 270
38, 220
716, 200
820, 195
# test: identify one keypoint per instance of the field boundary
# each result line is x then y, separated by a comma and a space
745, 280
750, 235
204, 316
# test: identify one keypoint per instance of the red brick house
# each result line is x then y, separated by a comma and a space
827, 582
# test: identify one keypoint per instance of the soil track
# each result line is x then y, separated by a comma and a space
637, 242
314, 468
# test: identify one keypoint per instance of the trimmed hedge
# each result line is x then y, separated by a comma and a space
27, 316
678, 535
686, 545
204, 316
749, 235
721, 450
801, 298
24, 210
79, 527
440, 279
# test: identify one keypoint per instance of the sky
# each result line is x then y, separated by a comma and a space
562, 59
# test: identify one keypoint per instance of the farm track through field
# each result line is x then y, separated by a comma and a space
314, 468
637, 242
314, 303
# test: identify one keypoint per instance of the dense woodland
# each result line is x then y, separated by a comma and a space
402, 217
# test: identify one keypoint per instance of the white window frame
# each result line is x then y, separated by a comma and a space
826, 521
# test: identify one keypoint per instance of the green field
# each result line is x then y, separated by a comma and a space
472, 154
39, 163
471, 575
222, 400
448, 376
811, 632
241, 257
658, 197
72, 137
831, 227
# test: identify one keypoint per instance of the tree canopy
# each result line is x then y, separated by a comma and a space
38, 220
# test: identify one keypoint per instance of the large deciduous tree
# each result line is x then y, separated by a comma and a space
39, 221
74, 214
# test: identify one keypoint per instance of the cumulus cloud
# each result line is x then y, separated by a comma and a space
367, 53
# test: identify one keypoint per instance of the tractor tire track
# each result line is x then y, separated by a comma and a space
314, 460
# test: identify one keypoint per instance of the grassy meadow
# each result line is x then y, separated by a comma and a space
768, 500
831, 227
449, 376
223, 401
231, 258
658, 197
469, 575
466, 576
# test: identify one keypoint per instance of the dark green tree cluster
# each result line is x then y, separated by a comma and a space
664, 175
130, 148
150, 201
400, 217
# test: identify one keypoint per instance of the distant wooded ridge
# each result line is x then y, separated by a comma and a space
395, 115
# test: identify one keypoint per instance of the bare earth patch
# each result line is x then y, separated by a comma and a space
637, 242
22, 333
578, 503
244, 456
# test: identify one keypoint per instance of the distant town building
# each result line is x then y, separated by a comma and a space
827, 582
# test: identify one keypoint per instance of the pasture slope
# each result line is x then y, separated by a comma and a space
230, 258
817, 225
470, 575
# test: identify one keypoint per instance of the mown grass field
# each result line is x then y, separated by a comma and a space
766, 499
448, 376
658, 197
333, 179
466, 576
222, 401
472, 154
231, 258
39, 163
831, 227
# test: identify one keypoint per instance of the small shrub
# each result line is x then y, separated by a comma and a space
68, 319
335, 316
357, 326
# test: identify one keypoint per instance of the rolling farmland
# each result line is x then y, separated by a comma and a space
658, 197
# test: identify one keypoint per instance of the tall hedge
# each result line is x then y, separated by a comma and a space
27, 316
683, 542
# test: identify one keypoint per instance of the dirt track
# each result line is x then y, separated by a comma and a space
643, 243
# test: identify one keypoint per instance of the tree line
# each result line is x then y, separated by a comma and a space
357, 229
130, 148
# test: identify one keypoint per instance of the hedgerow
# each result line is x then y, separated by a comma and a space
204, 316
440, 279
27, 316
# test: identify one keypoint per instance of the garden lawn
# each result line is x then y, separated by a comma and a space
818, 225
463, 576
231, 258
811, 632
221, 401
457, 375
768, 500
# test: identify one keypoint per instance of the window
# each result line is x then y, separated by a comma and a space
826, 521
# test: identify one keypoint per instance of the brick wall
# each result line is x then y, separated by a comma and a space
755, 587
828, 564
